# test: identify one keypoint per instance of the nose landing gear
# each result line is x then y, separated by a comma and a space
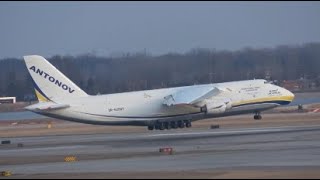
257, 116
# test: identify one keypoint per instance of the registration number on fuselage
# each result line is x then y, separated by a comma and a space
116, 109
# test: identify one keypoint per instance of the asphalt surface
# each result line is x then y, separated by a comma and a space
287, 146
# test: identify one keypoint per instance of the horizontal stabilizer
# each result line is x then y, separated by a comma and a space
46, 106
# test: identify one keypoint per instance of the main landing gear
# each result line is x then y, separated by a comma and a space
257, 116
170, 125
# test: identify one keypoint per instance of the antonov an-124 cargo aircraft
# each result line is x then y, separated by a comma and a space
157, 109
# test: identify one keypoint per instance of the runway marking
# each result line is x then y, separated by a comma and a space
135, 136
249, 130
45, 148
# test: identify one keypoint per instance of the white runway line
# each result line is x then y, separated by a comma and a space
248, 130
43, 148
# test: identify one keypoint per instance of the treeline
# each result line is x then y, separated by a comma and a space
140, 71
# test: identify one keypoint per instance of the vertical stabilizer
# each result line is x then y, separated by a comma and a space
49, 82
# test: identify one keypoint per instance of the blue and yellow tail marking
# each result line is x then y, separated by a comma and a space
40, 95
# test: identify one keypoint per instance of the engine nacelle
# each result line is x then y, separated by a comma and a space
217, 106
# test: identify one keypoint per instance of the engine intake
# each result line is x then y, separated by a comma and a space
217, 106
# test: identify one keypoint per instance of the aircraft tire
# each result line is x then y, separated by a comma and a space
161, 126
257, 117
167, 125
188, 124
180, 124
174, 124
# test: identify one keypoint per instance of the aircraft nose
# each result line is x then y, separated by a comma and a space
290, 95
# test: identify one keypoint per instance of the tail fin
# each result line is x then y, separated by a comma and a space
49, 83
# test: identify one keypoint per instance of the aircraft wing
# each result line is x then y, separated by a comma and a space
46, 106
190, 96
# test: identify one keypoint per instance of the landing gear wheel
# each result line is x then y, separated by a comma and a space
167, 125
174, 124
180, 124
257, 116
161, 126
150, 127
188, 124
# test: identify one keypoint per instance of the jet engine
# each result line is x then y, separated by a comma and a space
217, 106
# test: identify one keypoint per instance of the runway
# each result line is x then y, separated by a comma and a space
208, 151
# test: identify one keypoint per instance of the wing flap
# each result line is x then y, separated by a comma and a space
190, 96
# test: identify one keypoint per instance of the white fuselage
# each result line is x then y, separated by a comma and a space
146, 107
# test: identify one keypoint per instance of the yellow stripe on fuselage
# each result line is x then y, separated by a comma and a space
259, 100
40, 97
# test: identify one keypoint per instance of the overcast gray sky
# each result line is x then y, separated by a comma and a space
73, 28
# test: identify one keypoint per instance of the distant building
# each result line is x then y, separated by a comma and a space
307, 84
29, 97
291, 85
7, 100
